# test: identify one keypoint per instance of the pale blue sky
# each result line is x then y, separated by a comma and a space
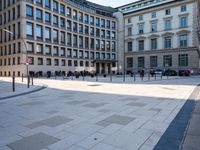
113, 3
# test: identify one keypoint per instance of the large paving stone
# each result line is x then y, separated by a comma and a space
51, 122
116, 119
94, 105
34, 142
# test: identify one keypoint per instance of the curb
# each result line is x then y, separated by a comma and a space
24, 93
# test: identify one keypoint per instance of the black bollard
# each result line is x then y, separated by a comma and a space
96, 77
28, 82
13, 83
134, 77
32, 79
22, 77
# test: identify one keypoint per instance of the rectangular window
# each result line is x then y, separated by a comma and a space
153, 61
48, 61
140, 17
75, 14
103, 23
39, 2
39, 48
141, 62
38, 14
55, 6
168, 24
80, 16
153, 27
153, 15
141, 45
168, 42
69, 12
29, 29
183, 8
167, 60
130, 46
183, 60
141, 28
153, 44
55, 51
62, 34
30, 47
129, 62
69, 63
91, 20
47, 17
97, 22
55, 35
62, 22
167, 12
62, 9
130, 31
29, 11
39, 31
183, 40
47, 33
183, 22
48, 4
40, 61
48, 50
63, 62
56, 62
31, 60
55, 20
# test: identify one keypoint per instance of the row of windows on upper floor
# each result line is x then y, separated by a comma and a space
168, 42
183, 8
10, 15
86, 18
67, 38
38, 30
42, 49
167, 61
183, 21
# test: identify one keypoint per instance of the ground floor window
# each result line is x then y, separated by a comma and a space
141, 62
129, 62
183, 60
153, 61
167, 60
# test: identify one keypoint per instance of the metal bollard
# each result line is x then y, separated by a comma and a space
161, 76
110, 77
83, 77
155, 76
22, 77
28, 82
134, 77
13, 83
32, 79
55, 77
96, 77
149, 76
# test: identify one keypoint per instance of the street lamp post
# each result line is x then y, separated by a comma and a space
26, 63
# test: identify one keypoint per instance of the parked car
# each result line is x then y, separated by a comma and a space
170, 73
184, 72
158, 72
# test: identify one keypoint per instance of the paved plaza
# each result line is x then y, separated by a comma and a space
85, 115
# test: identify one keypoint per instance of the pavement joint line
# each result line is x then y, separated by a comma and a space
169, 142
24, 93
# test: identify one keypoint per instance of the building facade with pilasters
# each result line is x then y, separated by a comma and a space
160, 35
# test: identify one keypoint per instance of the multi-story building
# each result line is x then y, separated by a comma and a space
159, 34
56, 35
77, 35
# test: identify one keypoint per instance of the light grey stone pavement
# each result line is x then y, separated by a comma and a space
6, 89
74, 115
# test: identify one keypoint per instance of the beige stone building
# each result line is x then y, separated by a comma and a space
56, 35
160, 35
